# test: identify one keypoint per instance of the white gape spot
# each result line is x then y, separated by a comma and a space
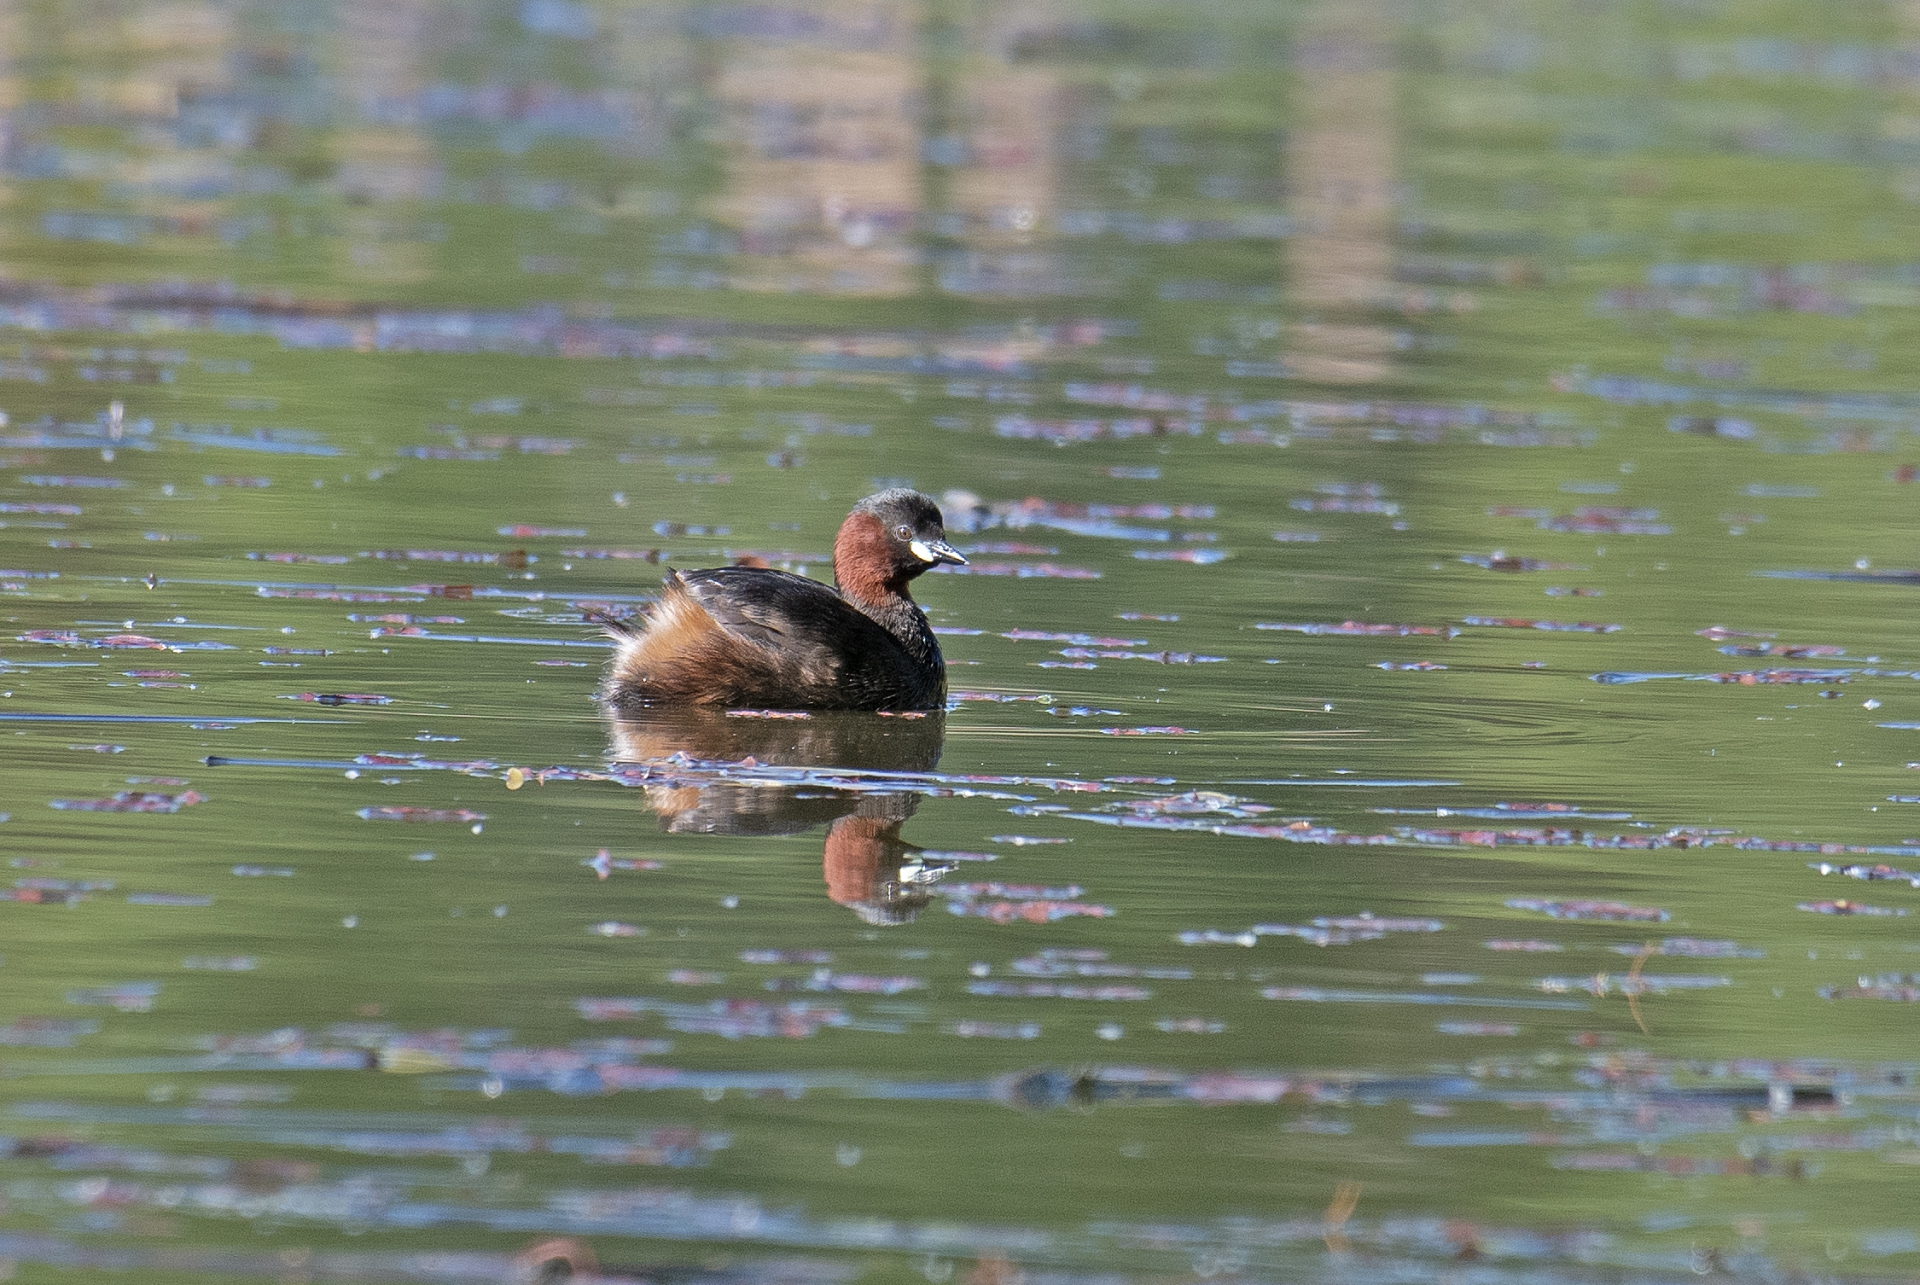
922, 552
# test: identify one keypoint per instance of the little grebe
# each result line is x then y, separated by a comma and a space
752, 637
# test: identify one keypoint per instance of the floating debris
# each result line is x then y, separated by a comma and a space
972, 1030
1059, 990
1500, 560
1790, 651
604, 863
1600, 985
1158, 657
762, 956
1689, 948
1608, 911
1193, 557
1031, 911
458, 815
1874, 872
850, 983
1318, 995
1903, 988
339, 698
126, 997
1549, 626
1354, 629
45, 1032
133, 801
1744, 678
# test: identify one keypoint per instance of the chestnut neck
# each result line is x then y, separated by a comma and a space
865, 573
863, 568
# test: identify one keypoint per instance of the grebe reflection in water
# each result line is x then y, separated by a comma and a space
751, 773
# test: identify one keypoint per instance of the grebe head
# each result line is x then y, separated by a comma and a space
887, 540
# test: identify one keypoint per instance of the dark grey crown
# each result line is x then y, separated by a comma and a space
901, 506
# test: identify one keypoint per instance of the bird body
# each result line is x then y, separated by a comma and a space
753, 637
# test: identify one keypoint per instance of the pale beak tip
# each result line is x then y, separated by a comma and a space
934, 552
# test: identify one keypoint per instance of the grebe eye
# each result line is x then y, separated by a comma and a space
904, 532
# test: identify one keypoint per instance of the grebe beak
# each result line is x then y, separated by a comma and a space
937, 551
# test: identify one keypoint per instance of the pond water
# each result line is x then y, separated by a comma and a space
1428, 787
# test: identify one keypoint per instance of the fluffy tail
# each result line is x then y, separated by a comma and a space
621, 628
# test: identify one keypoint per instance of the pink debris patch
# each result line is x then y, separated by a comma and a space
694, 977
337, 595
1148, 731
1608, 520
1720, 633
1848, 908
626, 555
1192, 557
330, 559
1904, 989
1610, 911
132, 801
42, 896
131, 642
1058, 990
1012, 891
604, 863
1032, 912
1357, 629
1345, 504
1079, 640
1788, 651
849, 983
524, 531
397, 618
1550, 626
458, 815
1501, 560
514, 559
